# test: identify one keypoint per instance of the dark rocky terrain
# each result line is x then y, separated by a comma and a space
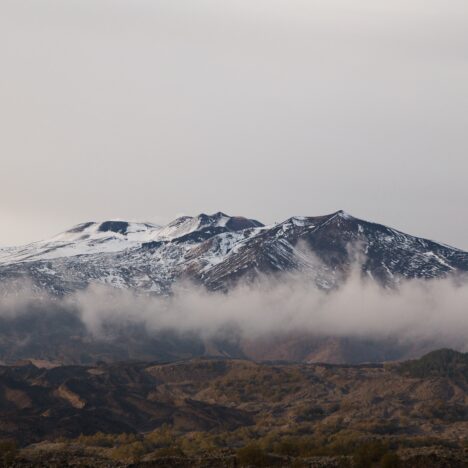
209, 409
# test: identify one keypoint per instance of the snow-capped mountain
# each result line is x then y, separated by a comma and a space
217, 250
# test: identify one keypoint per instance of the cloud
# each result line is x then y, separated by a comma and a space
417, 311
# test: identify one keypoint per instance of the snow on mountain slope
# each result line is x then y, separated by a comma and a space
217, 250
187, 225
83, 239
116, 236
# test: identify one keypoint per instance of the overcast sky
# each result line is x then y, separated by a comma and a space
147, 109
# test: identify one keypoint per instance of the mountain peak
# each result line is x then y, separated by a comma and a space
343, 214
217, 215
185, 225
218, 248
80, 227
119, 227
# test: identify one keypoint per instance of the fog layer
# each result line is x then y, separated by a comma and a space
434, 311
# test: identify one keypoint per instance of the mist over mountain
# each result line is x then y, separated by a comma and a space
330, 288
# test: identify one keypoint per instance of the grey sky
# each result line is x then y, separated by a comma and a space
146, 109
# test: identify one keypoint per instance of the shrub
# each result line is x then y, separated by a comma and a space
390, 460
169, 452
133, 451
8, 451
287, 446
252, 455
162, 437
369, 454
97, 440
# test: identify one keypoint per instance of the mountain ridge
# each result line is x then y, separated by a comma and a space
219, 250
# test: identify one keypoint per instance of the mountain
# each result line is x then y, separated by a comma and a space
219, 250
215, 252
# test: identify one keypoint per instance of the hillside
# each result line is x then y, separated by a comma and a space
213, 407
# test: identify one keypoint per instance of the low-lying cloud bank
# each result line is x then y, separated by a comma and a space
435, 310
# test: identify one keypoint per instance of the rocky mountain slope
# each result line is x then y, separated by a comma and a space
219, 250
